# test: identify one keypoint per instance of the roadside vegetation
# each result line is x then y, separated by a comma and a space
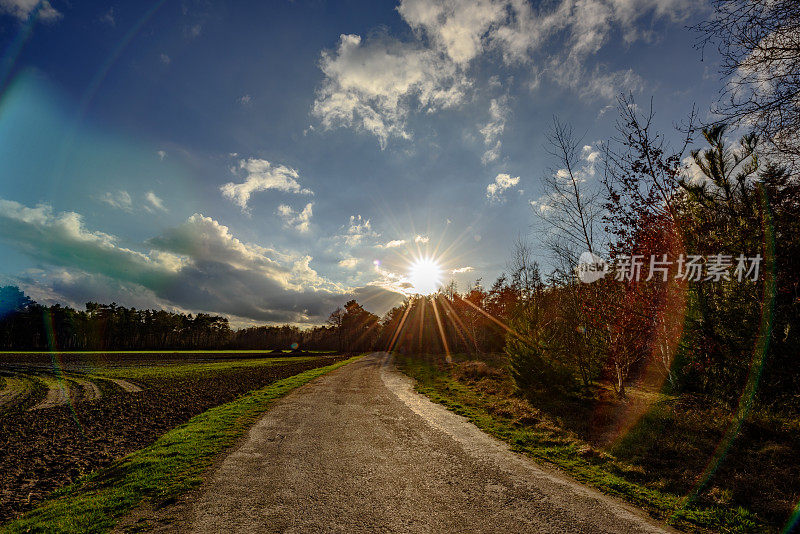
651, 449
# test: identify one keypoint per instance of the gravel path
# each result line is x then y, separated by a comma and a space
359, 451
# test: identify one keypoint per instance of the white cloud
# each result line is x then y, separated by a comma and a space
421, 239
349, 263
545, 204
496, 189
457, 27
590, 156
154, 202
373, 85
23, 9
261, 175
165, 59
460, 270
391, 280
585, 25
359, 229
121, 200
498, 111
161, 154
299, 220
393, 243
595, 84
62, 239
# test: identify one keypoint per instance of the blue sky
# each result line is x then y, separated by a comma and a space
270, 160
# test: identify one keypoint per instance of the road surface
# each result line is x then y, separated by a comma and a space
357, 450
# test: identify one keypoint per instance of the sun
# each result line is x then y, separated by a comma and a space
425, 276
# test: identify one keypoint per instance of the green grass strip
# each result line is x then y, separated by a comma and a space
169, 370
604, 473
169, 467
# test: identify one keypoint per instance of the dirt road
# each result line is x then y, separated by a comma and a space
359, 451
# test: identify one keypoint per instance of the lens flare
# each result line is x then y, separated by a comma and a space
425, 276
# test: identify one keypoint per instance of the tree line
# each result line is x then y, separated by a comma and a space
28, 325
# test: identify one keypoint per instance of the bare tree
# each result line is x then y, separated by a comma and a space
571, 211
570, 207
524, 270
759, 41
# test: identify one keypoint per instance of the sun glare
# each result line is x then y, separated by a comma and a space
425, 276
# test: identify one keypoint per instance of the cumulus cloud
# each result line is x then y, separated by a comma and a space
261, 175
373, 85
391, 281
421, 239
460, 270
24, 9
495, 190
299, 220
62, 239
198, 265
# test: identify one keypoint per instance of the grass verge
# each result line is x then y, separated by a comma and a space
159, 473
545, 441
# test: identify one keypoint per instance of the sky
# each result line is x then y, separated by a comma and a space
268, 161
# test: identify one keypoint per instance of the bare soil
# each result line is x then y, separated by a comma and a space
52, 446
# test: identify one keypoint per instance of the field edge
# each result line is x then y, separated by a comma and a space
171, 466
